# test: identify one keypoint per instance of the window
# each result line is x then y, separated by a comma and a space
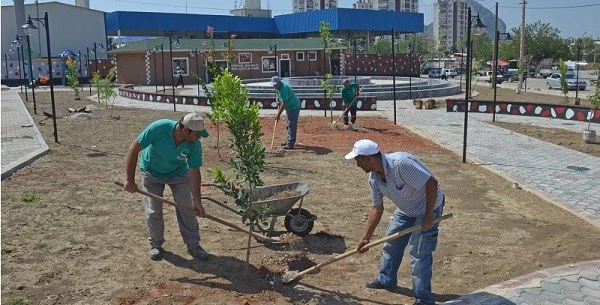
312, 55
268, 64
300, 56
181, 63
285, 56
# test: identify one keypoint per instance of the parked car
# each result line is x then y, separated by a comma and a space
553, 81
451, 72
435, 73
510, 75
487, 77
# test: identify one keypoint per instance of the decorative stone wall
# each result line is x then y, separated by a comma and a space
565, 112
312, 103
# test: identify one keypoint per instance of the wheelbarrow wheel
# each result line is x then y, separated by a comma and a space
300, 223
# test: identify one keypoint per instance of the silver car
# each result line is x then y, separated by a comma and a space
553, 81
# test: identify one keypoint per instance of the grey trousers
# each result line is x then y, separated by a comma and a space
188, 223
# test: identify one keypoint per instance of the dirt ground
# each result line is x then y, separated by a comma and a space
71, 236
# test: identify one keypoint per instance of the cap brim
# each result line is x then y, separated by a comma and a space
273, 83
203, 133
351, 155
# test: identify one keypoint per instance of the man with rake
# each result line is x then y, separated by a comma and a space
349, 94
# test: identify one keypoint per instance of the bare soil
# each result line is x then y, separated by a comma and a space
71, 236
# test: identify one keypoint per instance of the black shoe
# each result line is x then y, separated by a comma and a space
156, 253
284, 144
375, 284
287, 147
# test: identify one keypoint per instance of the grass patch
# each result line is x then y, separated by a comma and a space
41, 246
18, 301
72, 240
29, 197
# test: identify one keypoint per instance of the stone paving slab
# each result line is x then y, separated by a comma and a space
570, 284
22, 142
567, 178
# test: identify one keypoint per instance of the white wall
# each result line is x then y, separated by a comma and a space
71, 27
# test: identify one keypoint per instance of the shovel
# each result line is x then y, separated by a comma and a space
191, 210
290, 276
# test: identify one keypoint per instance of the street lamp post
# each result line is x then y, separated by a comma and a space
196, 53
80, 70
576, 67
30, 29
162, 60
153, 51
6, 57
273, 50
177, 46
394, 72
497, 37
355, 60
87, 65
31, 73
18, 43
479, 28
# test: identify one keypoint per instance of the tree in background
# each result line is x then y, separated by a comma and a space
105, 86
72, 78
564, 86
542, 41
327, 41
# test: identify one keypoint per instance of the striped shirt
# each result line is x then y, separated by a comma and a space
405, 177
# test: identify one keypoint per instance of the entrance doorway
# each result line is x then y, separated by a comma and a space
284, 68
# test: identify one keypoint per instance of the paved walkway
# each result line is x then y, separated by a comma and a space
566, 178
22, 142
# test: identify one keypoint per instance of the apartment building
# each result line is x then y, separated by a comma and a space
449, 22
388, 5
300, 6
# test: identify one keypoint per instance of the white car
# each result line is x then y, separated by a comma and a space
553, 81
451, 72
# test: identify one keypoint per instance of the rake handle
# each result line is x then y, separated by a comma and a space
369, 245
191, 210
351, 104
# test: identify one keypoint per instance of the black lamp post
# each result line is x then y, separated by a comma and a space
153, 51
177, 46
576, 67
30, 29
196, 53
87, 65
81, 71
162, 60
31, 72
394, 71
273, 50
18, 43
96, 45
6, 57
479, 28
497, 37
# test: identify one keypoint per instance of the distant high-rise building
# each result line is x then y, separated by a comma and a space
388, 5
251, 8
449, 22
300, 6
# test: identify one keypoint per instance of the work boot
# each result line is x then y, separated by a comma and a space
197, 252
376, 284
287, 147
156, 253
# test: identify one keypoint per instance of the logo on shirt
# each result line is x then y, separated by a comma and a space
183, 155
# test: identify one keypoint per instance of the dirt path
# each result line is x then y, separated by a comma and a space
69, 235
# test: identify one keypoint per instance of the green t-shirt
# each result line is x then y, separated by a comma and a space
160, 157
348, 94
286, 94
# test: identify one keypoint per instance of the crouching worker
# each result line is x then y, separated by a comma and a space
408, 183
171, 155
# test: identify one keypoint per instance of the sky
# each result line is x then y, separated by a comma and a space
573, 18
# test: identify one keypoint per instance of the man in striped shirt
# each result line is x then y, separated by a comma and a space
409, 184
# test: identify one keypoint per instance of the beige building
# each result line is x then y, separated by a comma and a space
388, 5
301, 6
449, 22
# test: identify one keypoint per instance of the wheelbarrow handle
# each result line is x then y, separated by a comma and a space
191, 210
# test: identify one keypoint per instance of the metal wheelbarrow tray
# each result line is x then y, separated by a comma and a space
298, 221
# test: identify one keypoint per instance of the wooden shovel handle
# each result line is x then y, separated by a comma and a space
369, 245
191, 210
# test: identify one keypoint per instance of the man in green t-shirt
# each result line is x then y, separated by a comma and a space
291, 104
171, 154
349, 94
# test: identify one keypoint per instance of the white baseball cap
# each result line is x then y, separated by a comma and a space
274, 80
195, 122
363, 148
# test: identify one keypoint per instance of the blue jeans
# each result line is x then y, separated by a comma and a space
421, 245
292, 126
153, 209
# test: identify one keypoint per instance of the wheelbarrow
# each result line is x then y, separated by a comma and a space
298, 221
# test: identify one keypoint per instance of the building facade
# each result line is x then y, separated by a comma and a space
388, 5
449, 22
301, 6
251, 8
